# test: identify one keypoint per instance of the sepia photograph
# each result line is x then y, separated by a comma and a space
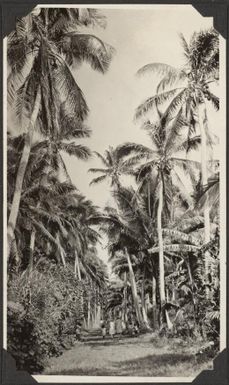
115, 193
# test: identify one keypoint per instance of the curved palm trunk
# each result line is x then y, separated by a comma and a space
61, 250
161, 256
134, 288
21, 173
77, 271
204, 159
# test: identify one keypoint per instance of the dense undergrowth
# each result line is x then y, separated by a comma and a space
43, 312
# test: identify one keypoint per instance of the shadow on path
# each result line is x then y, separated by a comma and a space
146, 366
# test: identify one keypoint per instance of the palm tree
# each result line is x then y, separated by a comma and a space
167, 172
130, 233
40, 44
192, 89
115, 164
47, 203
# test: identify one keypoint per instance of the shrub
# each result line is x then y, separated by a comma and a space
43, 310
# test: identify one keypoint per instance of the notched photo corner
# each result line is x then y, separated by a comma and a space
115, 145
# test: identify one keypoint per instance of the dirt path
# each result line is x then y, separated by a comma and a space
138, 356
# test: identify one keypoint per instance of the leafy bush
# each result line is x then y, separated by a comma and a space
43, 310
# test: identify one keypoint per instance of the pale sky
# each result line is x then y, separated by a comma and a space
139, 36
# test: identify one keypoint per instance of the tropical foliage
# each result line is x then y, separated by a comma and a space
163, 227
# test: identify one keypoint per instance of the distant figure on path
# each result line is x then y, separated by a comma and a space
78, 332
118, 326
112, 329
104, 330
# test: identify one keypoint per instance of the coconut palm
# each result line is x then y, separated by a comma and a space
48, 203
39, 52
169, 174
210, 195
115, 164
130, 233
191, 84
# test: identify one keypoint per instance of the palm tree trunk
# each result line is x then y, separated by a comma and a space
149, 203
154, 302
125, 298
144, 313
31, 249
160, 244
161, 256
192, 287
16, 253
89, 313
61, 250
204, 159
134, 288
77, 271
154, 292
21, 173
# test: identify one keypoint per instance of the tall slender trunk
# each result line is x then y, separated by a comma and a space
192, 289
154, 292
144, 313
77, 271
154, 302
161, 256
160, 244
134, 288
61, 250
21, 173
125, 298
204, 172
89, 313
173, 292
149, 203
31, 249
16, 253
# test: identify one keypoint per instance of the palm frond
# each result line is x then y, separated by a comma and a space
101, 170
80, 47
173, 78
128, 148
98, 180
177, 248
67, 85
102, 158
213, 99
190, 144
129, 163
158, 68
152, 102
175, 104
210, 194
78, 150
182, 237
185, 46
